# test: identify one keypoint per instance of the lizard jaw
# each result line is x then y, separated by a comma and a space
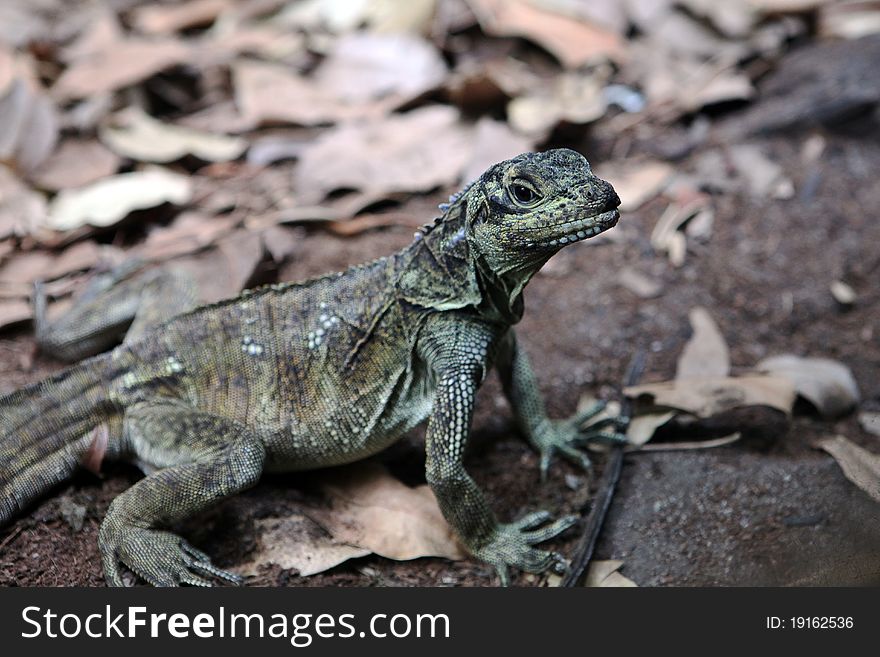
582, 229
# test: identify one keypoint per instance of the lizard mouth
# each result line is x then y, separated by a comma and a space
580, 229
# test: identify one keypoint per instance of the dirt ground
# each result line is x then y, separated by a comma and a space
767, 510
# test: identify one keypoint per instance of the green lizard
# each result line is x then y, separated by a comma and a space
306, 375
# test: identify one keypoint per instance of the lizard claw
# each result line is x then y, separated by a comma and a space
513, 545
159, 557
568, 437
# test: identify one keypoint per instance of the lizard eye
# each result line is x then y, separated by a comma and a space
523, 194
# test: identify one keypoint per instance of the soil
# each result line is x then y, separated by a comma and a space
767, 510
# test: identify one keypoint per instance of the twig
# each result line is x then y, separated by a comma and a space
610, 477
15, 532
685, 446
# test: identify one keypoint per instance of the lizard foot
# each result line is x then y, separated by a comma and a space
513, 544
568, 437
159, 557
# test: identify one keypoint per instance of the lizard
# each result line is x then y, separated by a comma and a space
304, 375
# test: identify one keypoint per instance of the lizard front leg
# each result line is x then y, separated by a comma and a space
200, 459
460, 499
547, 436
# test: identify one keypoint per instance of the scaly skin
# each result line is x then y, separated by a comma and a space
306, 375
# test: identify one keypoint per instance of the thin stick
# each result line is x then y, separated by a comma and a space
610, 477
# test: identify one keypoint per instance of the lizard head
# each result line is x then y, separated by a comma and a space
523, 210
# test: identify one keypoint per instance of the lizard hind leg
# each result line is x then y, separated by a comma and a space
123, 302
199, 458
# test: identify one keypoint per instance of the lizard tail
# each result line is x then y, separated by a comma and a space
47, 430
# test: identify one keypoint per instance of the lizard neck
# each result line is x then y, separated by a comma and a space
442, 270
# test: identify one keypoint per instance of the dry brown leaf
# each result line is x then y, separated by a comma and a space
22, 210
733, 18
708, 397
132, 133
788, 6
80, 256
29, 119
13, 311
103, 60
642, 427
269, 93
225, 269
111, 199
705, 355
188, 233
690, 445
763, 177
493, 142
76, 163
571, 98
387, 155
667, 236
572, 41
858, 464
636, 183
371, 509
166, 19
298, 543
827, 384
639, 284
413, 16
364, 67
25, 267
604, 574
849, 20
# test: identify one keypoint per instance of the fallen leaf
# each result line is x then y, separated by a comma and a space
827, 384
76, 163
364, 67
29, 119
636, 183
691, 445
103, 60
167, 19
642, 427
413, 16
13, 311
493, 141
388, 155
733, 18
870, 422
667, 235
858, 464
571, 98
110, 200
373, 510
705, 355
132, 133
849, 20
605, 574
298, 543
226, 268
188, 233
25, 267
639, 284
763, 177
574, 42
22, 210
268, 93
707, 397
